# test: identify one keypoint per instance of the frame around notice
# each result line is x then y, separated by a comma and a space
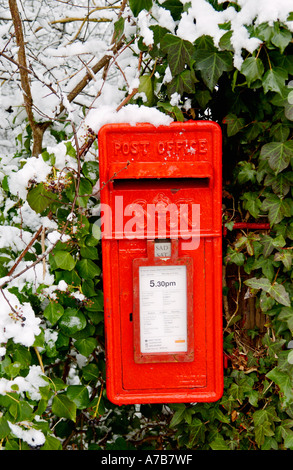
153, 261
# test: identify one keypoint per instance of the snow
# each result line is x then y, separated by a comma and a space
143, 26
164, 18
31, 220
202, 19
94, 46
51, 337
35, 169
131, 113
175, 99
14, 238
27, 433
17, 321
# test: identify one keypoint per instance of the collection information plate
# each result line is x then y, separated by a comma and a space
163, 309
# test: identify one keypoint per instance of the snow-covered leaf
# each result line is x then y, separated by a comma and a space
179, 52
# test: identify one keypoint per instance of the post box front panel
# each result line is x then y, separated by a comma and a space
142, 168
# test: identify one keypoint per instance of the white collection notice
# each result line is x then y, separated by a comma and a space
163, 309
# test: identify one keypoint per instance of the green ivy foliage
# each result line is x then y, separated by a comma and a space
253, 105
254, 108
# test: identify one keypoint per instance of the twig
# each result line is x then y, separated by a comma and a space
39, 359
25, 250
88, 77
127, 99
37, 129
2, 292
225, 299
43, 251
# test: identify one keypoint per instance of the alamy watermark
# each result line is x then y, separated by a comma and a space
141, 220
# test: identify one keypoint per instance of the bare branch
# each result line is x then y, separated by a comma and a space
25, 251
104, 61
37, 129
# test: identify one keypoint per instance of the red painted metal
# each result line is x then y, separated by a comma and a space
248, 225
174, 260
140, 166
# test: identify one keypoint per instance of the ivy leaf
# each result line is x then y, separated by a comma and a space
270, 243
235, 257
72, 321
283, 380
4, 427
219, 443
246, 173
289, 111
159, 34
225, 41
119, 28
262, 423
146, 87
279, 293
90, 372
279, 132
85, 189
266, 266
212, 64
286, 315
52, 443
278, 154
197, 431
138, 5
203, 97
175, 7
79, 395
70, 150
64, 260
257, 284
265, 302
285, 257
281, 39
288, 439
253, 69
178, 416
280, 183
179, 52
63, 407
53, 312
252, 203
39, 198
90, 252
87, 269
277, 208
275, 290
90, 170
184, 82
274, 80
86, 346
234, 124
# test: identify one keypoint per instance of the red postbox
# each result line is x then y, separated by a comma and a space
162, 261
